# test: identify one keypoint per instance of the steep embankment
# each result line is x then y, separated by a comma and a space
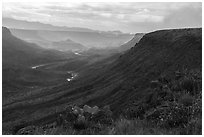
132, 42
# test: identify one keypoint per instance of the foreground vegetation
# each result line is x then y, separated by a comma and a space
173, 106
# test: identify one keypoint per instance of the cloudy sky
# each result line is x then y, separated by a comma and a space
126, 17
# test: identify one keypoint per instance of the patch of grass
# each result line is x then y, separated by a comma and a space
164, 111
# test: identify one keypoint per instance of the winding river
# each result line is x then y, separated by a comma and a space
72, 73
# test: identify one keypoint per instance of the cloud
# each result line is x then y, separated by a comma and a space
128, 17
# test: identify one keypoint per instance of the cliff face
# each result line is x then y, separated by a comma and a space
132, 42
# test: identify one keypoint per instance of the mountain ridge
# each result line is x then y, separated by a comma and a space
23, 24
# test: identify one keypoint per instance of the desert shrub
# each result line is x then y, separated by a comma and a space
135, 111
175, 86
102, 117
125, 127
187, 100
194, 127
163, 80
80, 120
136, 127
189, 84
158, 96
197, 106
155, 84
171, 116
166, 96
29, 130
174, 114
80, 123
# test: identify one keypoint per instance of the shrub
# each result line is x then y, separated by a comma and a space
84, 119
80, 123
26, 130
194, 127
170, 116
102, 117
137, 111
136, 127
189, 84
125, 127
186, 100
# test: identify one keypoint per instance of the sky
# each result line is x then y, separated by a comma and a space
128, 17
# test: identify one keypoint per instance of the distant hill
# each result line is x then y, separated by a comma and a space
45, 34
19, 52
89, 39
132, 42
67, 45
22, 24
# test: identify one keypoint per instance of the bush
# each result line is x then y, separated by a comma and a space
137, 127
125, 127
30, 130
190, 85
194, 127
137, 111
186, 100
84, 119
170, 116
102, 117
80, 123
175, 114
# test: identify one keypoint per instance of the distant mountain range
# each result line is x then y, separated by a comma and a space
22, 24
18, 52
67, 45
45, 34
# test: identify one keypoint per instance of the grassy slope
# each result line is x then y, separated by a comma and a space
120, 83
18, 57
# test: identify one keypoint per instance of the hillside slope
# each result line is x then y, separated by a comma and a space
16, 51
132, 42
158, 53
18, 57
121, 83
